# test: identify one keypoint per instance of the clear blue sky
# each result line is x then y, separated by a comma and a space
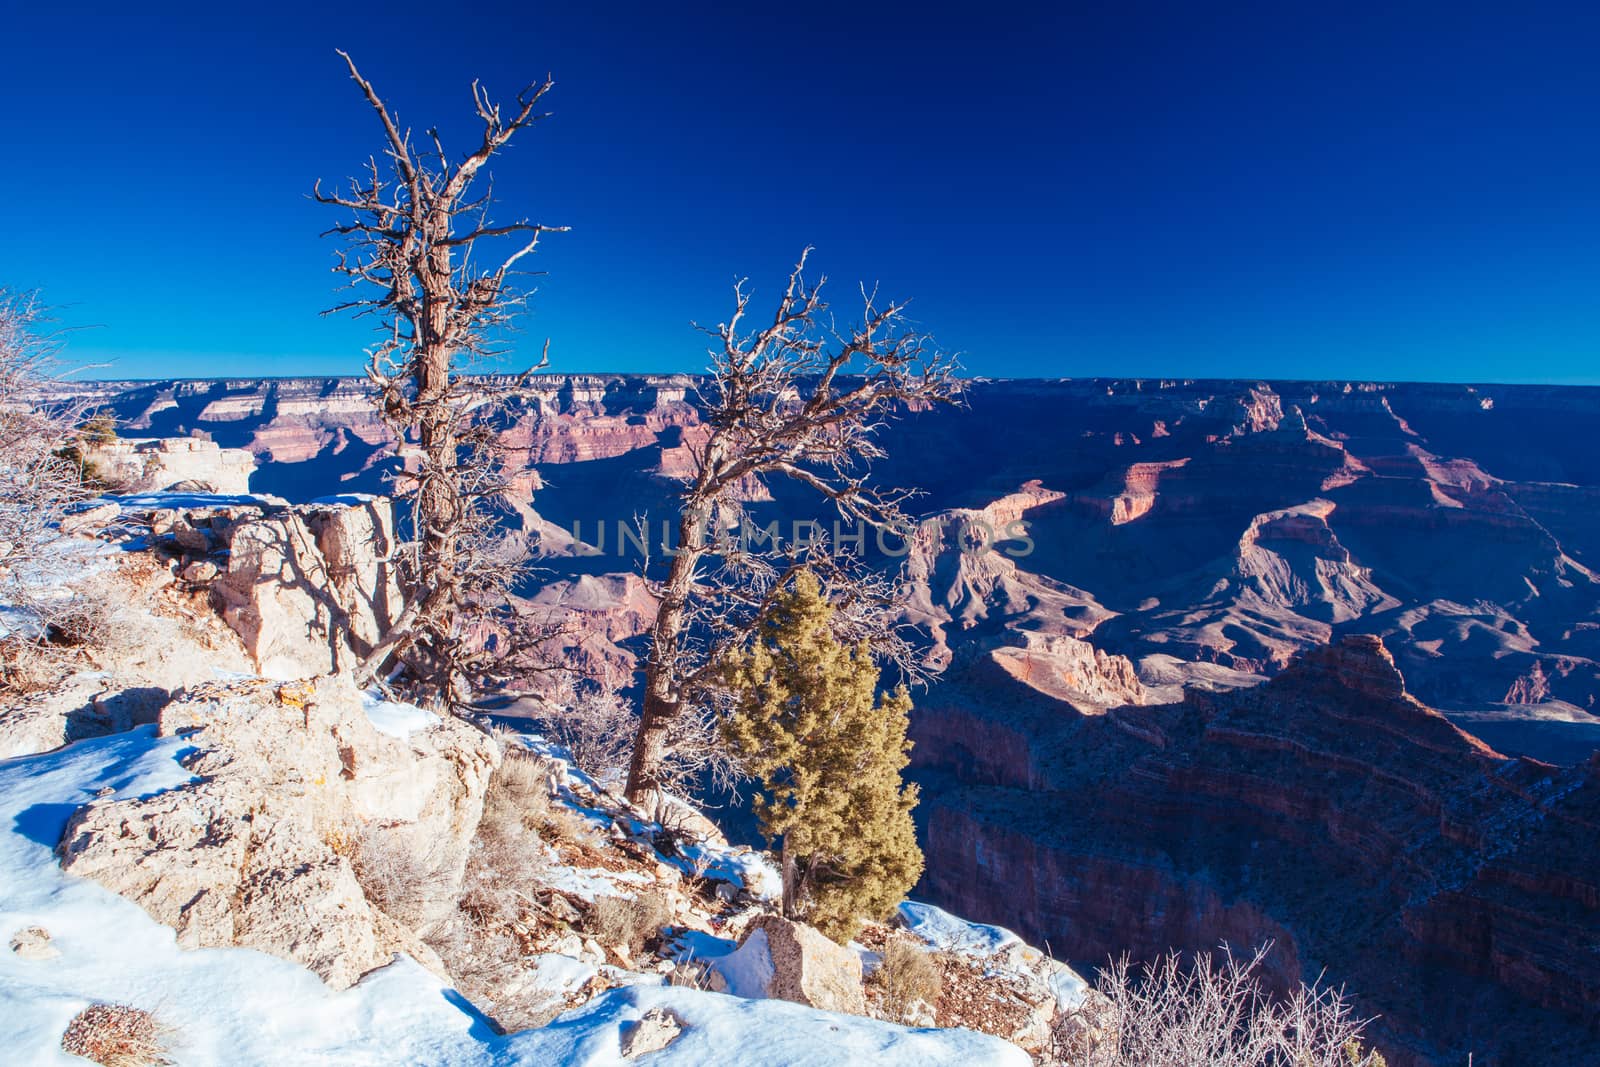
1392, 190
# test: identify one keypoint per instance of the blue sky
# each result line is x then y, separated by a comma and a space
1269, 190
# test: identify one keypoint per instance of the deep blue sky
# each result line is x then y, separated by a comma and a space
1280, 189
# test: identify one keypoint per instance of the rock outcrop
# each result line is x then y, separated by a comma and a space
139, 465
310, 590
256, 851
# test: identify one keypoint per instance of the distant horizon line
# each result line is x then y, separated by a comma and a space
976, 378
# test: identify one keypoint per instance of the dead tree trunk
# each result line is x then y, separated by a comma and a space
802, 400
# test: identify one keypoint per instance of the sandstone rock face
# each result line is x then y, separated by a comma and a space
311, 589
151, 465
807, 967
257, 851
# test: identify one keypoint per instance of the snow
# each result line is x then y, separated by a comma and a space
748, 968
561, 974
244, 1008
752, 1033
1070, 989
588, 882
951, 933
196, 501
15, 620
347, 500
396, 719
734, 864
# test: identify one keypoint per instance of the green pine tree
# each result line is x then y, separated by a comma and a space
828, 751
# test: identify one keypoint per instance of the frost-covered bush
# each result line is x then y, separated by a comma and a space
1209, 1012
36, 486
115, 1035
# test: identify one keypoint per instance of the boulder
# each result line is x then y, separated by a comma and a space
310, 590
193, 538
658, 1028
91, 518
33, 943
257, 851
199, 571
787, 960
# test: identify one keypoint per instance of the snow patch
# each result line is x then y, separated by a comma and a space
748, 968
951, 933
396, 719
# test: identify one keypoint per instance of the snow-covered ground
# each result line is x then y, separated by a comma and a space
240, 1007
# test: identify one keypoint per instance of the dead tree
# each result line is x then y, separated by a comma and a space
798, 398
38, 483
414, 254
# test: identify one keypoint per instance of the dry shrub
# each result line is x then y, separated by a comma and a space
28, 667
563, 824
394, 878
1212, 1012
36, 489
507, 853
596, 727
906, 975
479, 944
116, 1035
630, 923
68, 616
518, 797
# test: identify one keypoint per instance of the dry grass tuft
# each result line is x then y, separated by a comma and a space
629, 923
518, 798
906, 975
116, 1035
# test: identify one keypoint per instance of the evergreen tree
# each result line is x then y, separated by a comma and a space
828, 751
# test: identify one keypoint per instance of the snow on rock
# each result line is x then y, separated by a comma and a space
998, 948
748, 969
951, 933
706, 856
753, 1033
245, 1008
396, 719
147, 502
255, 852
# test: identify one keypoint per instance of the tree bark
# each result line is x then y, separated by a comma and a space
661, 703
